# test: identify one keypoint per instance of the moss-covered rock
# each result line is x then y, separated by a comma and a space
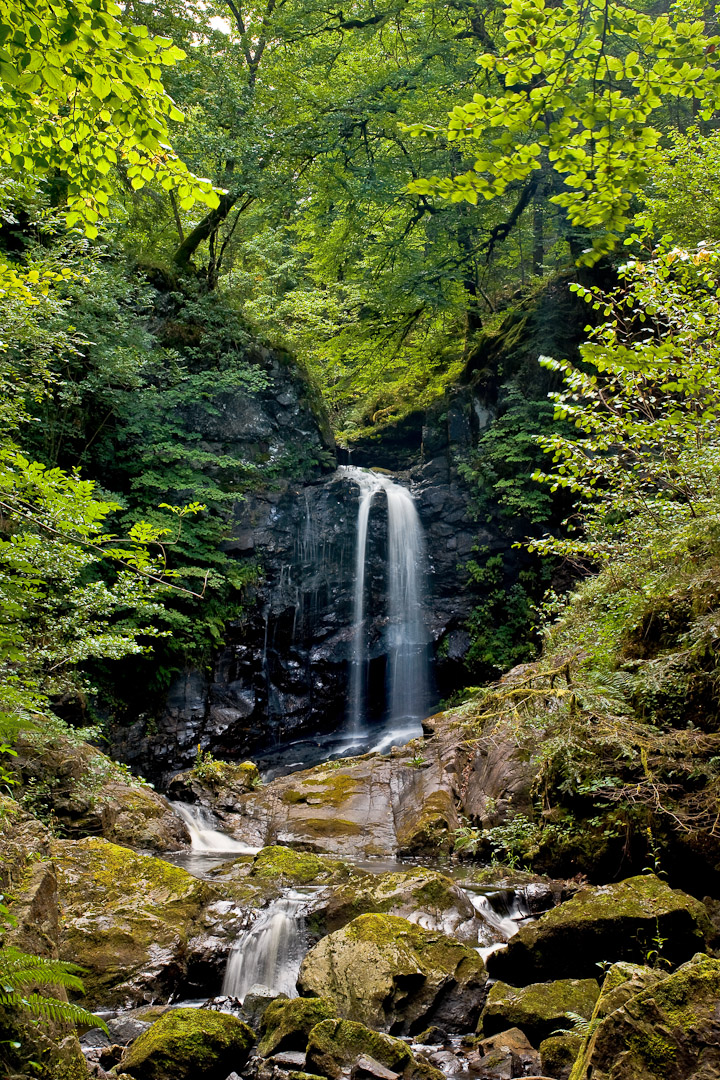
88, 794
285, 866
431, 831
392, 975
286, 1024
559, 1053
621, 921
126, 918
334, 1045
215, 784
624, 981
539, 1009
27, 880
423, 896
670, 1031
189, 1044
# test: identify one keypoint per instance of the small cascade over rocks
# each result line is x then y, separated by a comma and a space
205, 838
407, 637
267, 957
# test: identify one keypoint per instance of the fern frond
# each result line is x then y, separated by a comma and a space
23, 969
20, 971
52, 1009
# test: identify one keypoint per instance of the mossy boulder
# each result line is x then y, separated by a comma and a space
431, 830
423, 896
286, 1024
670, 1031
285, 866
390, 974
28, 881
539, 1009
624, 981
559, 1053
621, 921
215, 784
334, 1045
126, 918
88, 794
189, 1044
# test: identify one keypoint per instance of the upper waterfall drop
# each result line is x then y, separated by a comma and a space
407, 637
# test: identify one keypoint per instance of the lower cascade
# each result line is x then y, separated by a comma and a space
205, 838
269, 954
407, 637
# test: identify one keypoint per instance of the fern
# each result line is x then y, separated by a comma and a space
21, 971
580, 1025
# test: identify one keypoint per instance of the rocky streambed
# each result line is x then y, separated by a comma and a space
344, 946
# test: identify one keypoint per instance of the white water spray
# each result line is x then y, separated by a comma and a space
205, 838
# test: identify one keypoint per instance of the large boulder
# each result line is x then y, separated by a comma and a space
88, 794
28, 881
670, 1031
426, 897
539, 1009
126, 918
286, 1023
624, 981
334, 1045
189, 1044
392, 975
279, 865
622, 921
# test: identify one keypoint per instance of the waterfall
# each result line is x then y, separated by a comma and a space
407, 636
269, 954
204, 835
369, 484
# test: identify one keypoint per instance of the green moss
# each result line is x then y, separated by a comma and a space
432, 950
334, 1044
300, 867
117, 908
286, 1025
335, 789
558, 1053
538, 1009
432, 830
655, 1051
189, 1044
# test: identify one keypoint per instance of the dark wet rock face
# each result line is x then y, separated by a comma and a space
282, 672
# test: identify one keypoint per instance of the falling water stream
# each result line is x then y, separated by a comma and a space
205, 838
269, 954
407, 636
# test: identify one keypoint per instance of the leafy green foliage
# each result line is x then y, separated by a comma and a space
646, 404
82, 93
580, 92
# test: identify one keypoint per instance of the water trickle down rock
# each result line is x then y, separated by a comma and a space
269, 954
